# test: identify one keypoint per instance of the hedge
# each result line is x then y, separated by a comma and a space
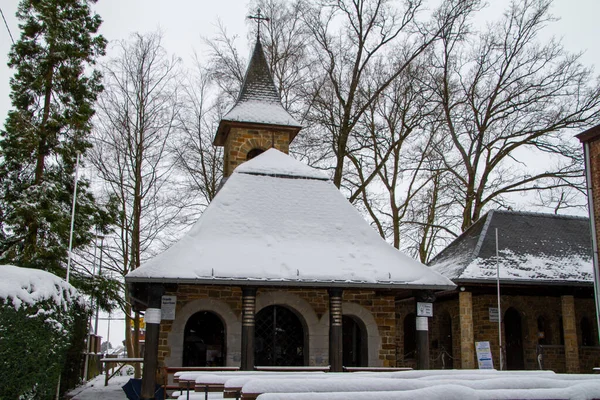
43, 323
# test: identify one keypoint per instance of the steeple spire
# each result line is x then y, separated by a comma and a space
257, 121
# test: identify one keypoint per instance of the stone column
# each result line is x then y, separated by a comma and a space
248, 310
467, 342
570, 334
335, 330
152, 318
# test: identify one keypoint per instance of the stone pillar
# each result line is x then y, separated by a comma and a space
335, 330
467, 341
570, 334
152, 318
248, 310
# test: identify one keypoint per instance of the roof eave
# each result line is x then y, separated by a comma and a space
589, 135
526, 282
282, 282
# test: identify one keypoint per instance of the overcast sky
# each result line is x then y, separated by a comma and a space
185, 22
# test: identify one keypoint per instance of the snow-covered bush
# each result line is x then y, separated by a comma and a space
43, 323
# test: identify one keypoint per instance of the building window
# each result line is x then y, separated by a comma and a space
204, 341
279, 338
587, 336
410, 336
354, 338
253, 153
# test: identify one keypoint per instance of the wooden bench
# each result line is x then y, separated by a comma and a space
171, 375
376, 369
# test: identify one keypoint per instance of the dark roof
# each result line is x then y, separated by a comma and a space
532, 247
258, 101
590, 134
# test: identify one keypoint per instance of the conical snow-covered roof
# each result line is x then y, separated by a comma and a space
277, 221
259, 101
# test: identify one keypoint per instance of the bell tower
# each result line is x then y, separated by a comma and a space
257, 121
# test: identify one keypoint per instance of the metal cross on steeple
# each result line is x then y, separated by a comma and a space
259, 20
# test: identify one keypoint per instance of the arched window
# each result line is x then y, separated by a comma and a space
445, 341
279, 338
587, 335
513, 335
204, 341
354, 339
410, 336
253, 153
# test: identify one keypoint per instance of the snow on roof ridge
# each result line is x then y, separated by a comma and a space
541, 214
278, 164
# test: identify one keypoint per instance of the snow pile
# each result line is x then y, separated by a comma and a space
26, 286
429, 384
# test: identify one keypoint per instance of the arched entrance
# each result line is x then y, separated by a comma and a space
204, 341
279, 338
514, 340
355, 352
445, 342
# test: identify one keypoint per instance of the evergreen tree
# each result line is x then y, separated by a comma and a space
53, 92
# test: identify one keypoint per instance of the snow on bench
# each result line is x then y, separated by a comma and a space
582, 391
493, 388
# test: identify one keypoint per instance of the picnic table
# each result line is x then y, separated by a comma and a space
120, 362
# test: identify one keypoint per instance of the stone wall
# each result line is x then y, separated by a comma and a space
241, 140
529, 309
375, 311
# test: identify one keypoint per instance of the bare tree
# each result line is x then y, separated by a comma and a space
137, 115
502, 93
372, 30
200, 161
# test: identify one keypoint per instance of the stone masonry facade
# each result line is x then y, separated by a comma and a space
241, 140
562, 352
376, 312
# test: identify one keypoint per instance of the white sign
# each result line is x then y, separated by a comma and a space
422, 324
424, 309
152, 316
484, 355
493, 311
167, 306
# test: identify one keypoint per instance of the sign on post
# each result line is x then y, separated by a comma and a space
493, 312
424, 309
484, 355
167, 306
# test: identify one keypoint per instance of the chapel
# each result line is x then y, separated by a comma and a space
280, 269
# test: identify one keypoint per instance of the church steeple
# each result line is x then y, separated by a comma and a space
257, 121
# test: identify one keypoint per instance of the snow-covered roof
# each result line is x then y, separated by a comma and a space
532, 248
29, 286
259, 101
278, 221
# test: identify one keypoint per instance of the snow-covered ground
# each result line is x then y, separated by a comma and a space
95, 389
433, 384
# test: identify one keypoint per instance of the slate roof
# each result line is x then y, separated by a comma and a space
277, 221
258, 101
533, 248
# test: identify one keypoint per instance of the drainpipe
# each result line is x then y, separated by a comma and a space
588, 178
